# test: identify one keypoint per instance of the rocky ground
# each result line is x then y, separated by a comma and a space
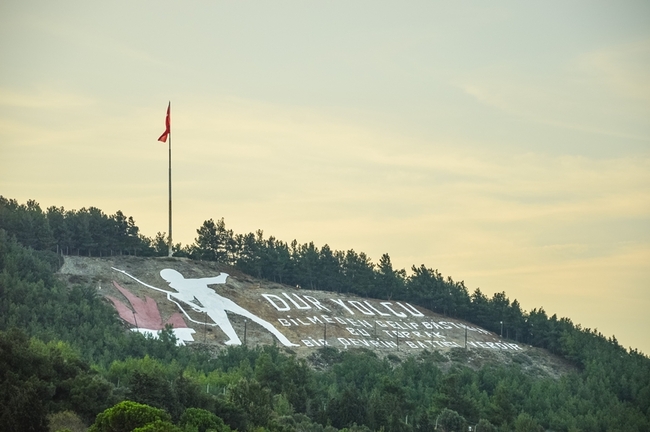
345, 322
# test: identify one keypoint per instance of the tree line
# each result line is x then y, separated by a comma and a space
311, 267
88, 231
91, 232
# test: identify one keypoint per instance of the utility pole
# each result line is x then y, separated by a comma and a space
245, 324
465, 337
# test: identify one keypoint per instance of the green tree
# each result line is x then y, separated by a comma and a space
389, 282
202, 420
451, 421
255, 400
127, 416
525, 423
159, 426
66, 420
347, 408
485, 426
214, 242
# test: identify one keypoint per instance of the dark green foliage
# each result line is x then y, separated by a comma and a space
254, 399
66, 421
202, 420
158, 426
233, 416
87, 232
348, 407
23, 393
126, 416
526, 423
451, 421
485, 426
159, 384
36, 379
263, 388
33, 300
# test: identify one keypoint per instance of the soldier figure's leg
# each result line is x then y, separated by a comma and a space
221, 319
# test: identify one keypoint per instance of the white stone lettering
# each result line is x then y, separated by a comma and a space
311, 342
399, 334
346, 342
304, 303
431, 325
342, 304
374, 309
365, 323
410, 309
393, 324
353, 322
278, 303
302, 322
316, 303
494, 345
361, 308
434, 334
357, 332
387, 306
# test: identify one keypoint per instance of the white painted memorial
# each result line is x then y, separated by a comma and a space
196, 294
306, 317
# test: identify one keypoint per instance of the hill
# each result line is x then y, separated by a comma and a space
366, 347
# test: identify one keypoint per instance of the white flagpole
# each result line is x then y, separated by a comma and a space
170, 181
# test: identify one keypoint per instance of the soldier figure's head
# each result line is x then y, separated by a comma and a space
171, 276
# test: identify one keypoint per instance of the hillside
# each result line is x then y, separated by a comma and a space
365, 348
309, 319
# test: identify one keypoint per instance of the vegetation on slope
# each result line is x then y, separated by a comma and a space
62, 350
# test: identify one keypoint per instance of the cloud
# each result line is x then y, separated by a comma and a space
82, 35
623, 69
42, 99
603, 92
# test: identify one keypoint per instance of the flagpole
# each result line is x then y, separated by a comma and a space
170, 185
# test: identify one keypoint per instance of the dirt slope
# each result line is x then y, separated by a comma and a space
262, 312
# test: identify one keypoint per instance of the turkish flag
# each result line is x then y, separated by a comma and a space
168, 128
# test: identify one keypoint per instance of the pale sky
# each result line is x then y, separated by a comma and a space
506, 144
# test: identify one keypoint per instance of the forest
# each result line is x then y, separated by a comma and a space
68, 363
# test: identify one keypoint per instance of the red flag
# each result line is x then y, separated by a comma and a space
168, 128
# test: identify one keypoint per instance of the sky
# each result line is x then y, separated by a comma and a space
506, 144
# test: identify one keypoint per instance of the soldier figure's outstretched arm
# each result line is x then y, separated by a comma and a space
221, 279
139, 281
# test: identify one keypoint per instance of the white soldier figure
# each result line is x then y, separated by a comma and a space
197, 294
